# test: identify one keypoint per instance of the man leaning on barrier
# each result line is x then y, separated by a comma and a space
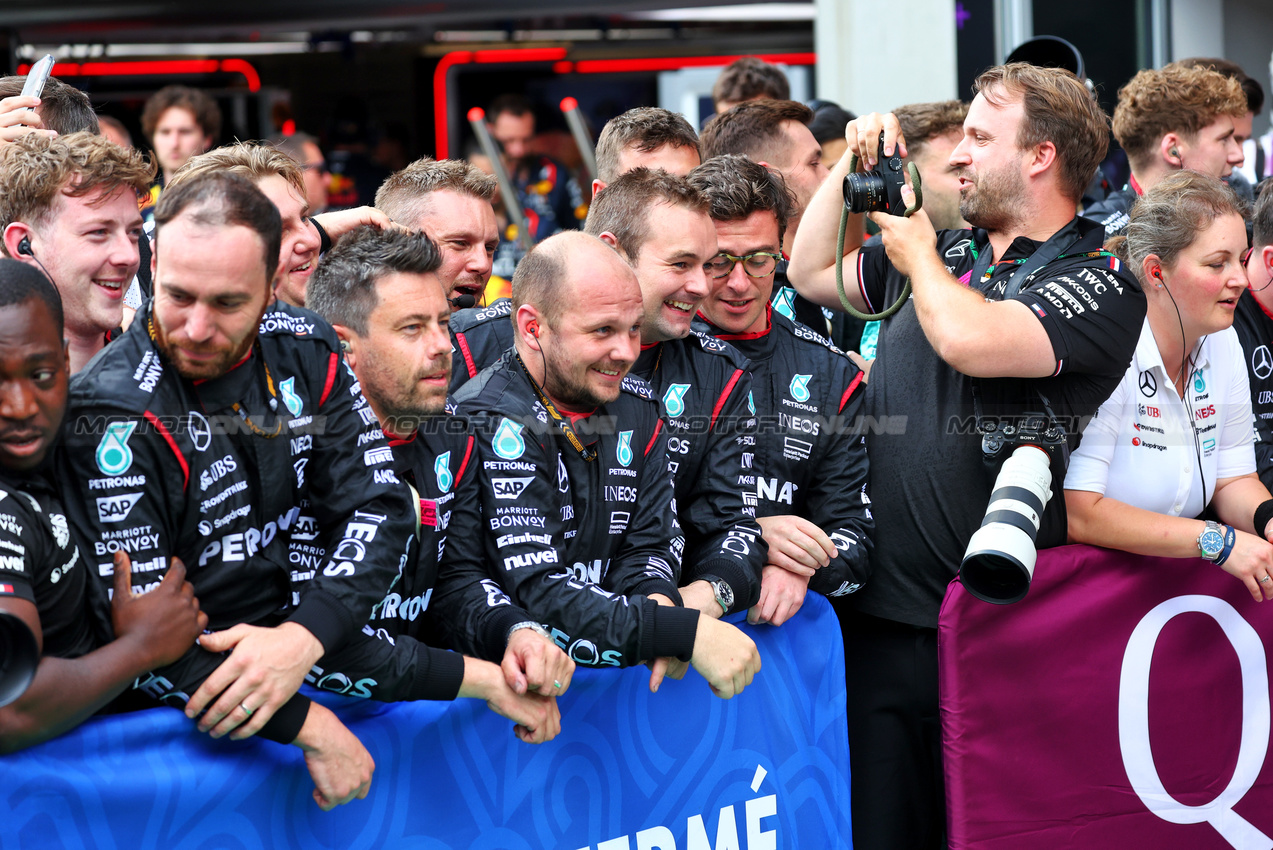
1025, 313
580, 526
236, 439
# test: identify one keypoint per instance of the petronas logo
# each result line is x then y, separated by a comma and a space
508, 442
624, 452
800, 387
784, 303
114, 457
751, 403
442, 466
290, 398
674, 399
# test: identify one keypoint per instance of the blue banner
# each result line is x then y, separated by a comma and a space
677, 770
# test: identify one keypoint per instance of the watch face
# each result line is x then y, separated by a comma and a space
724, 593
1211, 542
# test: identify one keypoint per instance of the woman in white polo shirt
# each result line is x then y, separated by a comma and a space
1175, 435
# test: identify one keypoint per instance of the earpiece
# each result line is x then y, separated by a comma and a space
533, 327
24, 247
1174, 152
344, 346
1158, 274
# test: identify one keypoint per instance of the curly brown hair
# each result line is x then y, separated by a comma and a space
736, 187
1058, 109
1175, 99
36, 169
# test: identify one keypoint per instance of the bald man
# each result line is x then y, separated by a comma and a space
579, 525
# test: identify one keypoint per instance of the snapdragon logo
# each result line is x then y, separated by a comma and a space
1133, 721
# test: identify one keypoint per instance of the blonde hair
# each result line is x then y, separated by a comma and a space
253, 160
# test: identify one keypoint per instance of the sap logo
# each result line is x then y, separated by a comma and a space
620, 494
510, 488
769, 488
303, 443
530, 559
386, 476
799, 424
590, 572
216, 471
1204, 412
116, 508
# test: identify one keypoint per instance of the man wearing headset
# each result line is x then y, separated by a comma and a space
68, 205
1169, 119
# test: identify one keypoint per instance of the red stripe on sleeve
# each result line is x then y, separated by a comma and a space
853, 385
720, 402
331, 379
655, 438
172, 444
468, 453
468, 355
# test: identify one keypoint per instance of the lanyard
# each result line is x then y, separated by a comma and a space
236, 407
562, 422
1051, 250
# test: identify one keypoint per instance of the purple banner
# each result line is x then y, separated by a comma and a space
1123, 704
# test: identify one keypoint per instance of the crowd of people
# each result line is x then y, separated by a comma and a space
249, 442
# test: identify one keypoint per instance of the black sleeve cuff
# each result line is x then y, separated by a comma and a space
286, 723
746, 587
647, 586
668, 632
438, 674
495, 639
326, 618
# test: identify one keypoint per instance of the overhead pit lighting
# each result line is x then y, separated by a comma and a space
117, 51
733, 14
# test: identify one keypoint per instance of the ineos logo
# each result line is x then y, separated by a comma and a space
1148, 384
1133, 720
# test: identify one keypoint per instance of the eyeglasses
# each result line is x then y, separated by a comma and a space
756, 264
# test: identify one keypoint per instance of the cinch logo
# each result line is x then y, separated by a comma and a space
674, 399
800, 387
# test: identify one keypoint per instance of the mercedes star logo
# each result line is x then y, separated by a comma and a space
1262, 362
1148, 384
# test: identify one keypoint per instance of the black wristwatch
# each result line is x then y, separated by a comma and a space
724, 593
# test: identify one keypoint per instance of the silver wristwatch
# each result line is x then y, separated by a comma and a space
533, 626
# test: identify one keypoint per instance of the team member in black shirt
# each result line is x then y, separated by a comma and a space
382, 294
43, 579
1024, 307
809, 465
576, 497
659, 224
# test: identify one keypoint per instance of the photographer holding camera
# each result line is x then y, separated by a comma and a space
1024, 314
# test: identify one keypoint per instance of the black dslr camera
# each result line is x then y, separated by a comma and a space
879, 190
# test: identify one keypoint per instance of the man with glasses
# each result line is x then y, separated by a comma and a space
1253, 320
810, 460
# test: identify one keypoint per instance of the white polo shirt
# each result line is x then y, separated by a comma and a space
1140, 448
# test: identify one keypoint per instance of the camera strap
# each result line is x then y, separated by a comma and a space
1027, 267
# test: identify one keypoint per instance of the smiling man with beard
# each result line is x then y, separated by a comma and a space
1024, 314
580, 526
236, 439
68, 205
